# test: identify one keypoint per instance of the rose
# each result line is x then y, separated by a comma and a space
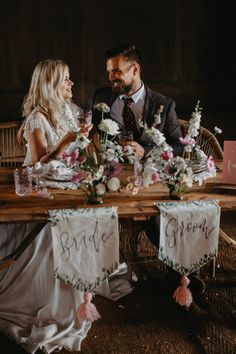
187, 141
100, 189
210, 164
155, 177
113, 184
167, 155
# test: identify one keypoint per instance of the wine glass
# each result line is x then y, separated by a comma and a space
85, 118
125, 137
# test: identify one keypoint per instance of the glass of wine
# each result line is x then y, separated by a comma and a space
125, 137
85, 118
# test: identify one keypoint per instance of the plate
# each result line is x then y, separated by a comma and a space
60, 177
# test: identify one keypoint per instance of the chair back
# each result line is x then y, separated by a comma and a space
206, 140
11, 154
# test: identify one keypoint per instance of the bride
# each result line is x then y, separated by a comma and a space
50, 116
37, 310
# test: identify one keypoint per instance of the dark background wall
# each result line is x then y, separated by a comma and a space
186, 47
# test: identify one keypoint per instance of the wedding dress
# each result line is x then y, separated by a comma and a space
37, 310
66, 122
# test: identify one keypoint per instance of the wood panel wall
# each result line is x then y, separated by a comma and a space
186, 47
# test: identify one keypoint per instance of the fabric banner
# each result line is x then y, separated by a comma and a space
189, 234
85, 245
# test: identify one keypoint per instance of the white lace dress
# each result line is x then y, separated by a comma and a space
36, 119
37, 310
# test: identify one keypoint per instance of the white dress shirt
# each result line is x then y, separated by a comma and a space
137, 106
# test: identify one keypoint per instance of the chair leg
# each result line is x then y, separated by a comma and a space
214, 267
228, 239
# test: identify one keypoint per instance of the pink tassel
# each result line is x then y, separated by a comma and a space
87, 310
182, 294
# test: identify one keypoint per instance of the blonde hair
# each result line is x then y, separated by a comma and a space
44, 92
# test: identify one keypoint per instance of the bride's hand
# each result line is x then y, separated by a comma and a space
86, 129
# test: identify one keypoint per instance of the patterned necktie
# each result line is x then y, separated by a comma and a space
128, 116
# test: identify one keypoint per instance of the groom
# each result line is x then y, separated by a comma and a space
124, 71
130, 101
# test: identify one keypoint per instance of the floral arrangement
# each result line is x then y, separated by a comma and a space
189, 142
178, 172
97, 174
178, 176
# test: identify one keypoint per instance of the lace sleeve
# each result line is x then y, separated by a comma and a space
36, 120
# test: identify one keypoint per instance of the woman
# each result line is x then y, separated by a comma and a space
37, 310
51, 122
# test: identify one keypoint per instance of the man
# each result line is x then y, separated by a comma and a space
124, 69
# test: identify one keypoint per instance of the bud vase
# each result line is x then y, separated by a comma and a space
176, 192
93, 196
95, 200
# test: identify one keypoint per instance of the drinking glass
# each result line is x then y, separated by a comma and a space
125, 137
85, 118
138, 173
23, 181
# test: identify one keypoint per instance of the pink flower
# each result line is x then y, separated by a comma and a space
82, 159
210, 164
185, 141
74, 155
167, 155
155, 177
79, 176
115, 169
64, 155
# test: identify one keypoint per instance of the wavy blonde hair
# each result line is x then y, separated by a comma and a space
44, 92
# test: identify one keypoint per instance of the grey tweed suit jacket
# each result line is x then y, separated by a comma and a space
168, 126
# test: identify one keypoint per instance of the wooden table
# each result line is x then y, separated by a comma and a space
131, 207
14, 208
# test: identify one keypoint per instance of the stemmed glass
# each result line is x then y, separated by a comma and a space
85, 118
125, 137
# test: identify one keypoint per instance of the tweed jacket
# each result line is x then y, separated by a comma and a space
168, 126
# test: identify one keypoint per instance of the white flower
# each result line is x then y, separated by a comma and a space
100, 189
155, 134
157, 137
82, 141
186, 180
38, 166
99, 173
194, 122
109, 126
217, 130
101, 106
157, 116
113, 184
131, 159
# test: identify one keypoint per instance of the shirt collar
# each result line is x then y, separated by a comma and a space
136, 96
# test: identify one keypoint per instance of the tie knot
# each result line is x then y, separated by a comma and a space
128, 100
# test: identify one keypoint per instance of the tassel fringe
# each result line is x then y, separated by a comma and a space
87, 310
182, 294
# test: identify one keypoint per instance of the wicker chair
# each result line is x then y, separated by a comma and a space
11, 154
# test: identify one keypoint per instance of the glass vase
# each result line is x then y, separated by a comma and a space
93, 197
176, 192
95, 200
